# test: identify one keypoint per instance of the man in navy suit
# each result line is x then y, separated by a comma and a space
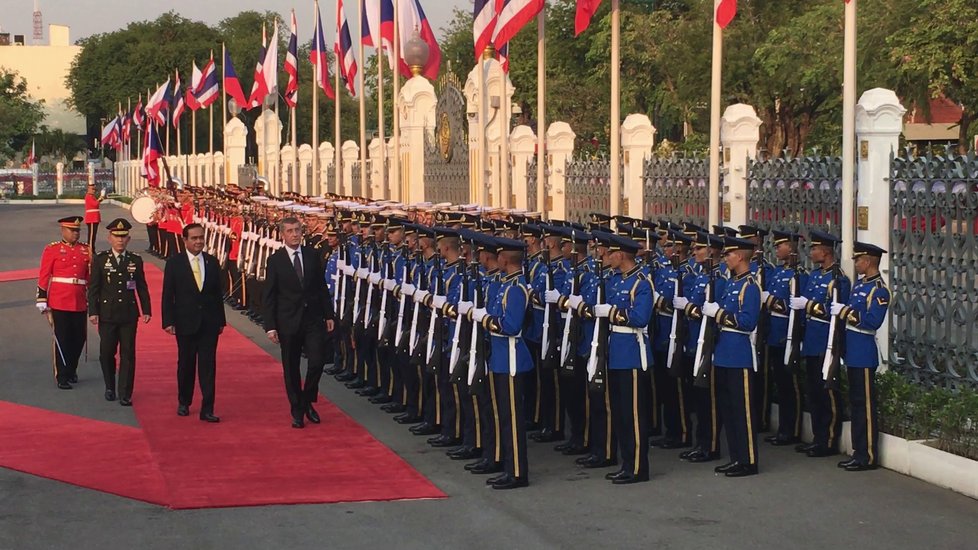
298, 315
193, 311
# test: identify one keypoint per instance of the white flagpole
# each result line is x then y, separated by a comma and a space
848, 135
714, 191
541, 112
396, 161
315, 184
482, 172
615, 108
224, 119
337, 139
364, 184
385, 191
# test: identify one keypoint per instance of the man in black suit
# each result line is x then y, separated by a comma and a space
298, 314
116, 282
193, 310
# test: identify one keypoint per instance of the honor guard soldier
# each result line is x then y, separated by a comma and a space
785, 281
628, 309
735, 359
509, 361
92, 215
825, 283
61, 295
117, 281
863, 315
762, 270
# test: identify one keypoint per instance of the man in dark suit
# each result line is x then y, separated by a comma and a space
298, 314
117, 280
193, 311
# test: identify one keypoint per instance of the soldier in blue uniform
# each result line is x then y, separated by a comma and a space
863, 315
628, 309
509, 361
735, 359
409, 405
823, 283
761, 269
432, 407
776, 299
536, 279
391, 272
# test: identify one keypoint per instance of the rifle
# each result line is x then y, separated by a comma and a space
705, 343
349, 293
385, 330
436, 323
402, 303
373, 305
339, 283
461, 338
759, 334
792, 348
419, 326
674, 362
572, 327
597, 364
833, 353
477, 344
357, 288
550, 346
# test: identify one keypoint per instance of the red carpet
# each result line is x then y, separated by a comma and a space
253, 457
18, 275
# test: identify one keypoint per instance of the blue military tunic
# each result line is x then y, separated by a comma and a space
695, 290
631, 298
863, 316
779, 288
506, 311
588, 291
819, 293
740, 307
536, 278
665, 285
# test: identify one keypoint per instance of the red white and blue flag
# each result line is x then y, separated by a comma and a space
259, 89
512, 16
139, 114
110, 133
483, 24
178, 102
318, 56
585, 11
292, 67
190, 97
377, 26
726, 11
151, 156
412, 17
208, 89
127, 126
159, 103
343, 47
232, 86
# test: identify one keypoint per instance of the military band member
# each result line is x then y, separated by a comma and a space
117, 298
823, 403
735, 359
92, 214
863, 315
62, 297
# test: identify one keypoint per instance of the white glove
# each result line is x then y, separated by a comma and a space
102, 194
655, 296
574, 301
679, 302
341, 265
420, 295
389, 284
551, 296
836, 308
799, 302
478, 314
362, 273
764, 296
408, 289
437, 301
348, 270
710, 309
374, 278
602, 310
41, 306
465, 307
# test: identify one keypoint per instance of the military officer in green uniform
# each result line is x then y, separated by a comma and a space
116, 283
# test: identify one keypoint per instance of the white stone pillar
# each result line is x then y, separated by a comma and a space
235, 142
327, 154
393, 191
304, 179
560, 148
492, 169
375, 150
59, 180
268, 131
417, 112
523, 144
288, 178
739, 134
351, 155
637, 140
879, 122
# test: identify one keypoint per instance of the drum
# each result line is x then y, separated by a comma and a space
143, 209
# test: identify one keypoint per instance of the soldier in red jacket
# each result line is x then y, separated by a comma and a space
62, 296
92, 215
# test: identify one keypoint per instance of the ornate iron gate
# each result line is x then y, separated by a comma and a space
531, 184
934, 268
446, 153
676, 189
359, 187
588, 187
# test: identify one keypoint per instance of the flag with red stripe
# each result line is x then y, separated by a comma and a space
726, 11
318, 56
232, 85
585, 12
292, 66
412, 17
343, 47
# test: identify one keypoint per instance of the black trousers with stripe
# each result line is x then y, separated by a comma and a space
121, 338
706, 408
672, 399
825, 406
738, 412
531, 403
601, 433
629, 394
550, 404
509, 391
789, 394
574, 394
70, 333
864, 415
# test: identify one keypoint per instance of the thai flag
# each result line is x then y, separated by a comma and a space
209, 88
158, 103
292, 67
412, 18
483, 24
513, 15
127, 126
178, 102
585, 11
110, 133
232, 86
151, 156
344, 50
139, 114
377, 25
259, 89
120, 121
726, 10
195, 79
318, 56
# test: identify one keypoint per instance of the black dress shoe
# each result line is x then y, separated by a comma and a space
208, 417
781, 441
600, 462
73, 379
628, 479
859, 467
446, 442
819, 452
382, 399
356, 384
611, 476
489, 467
742, 470
393, 408
563, 446
582, 459
547, 435
510, 483
496, 479
407, 419
125, 402
109, 395
425, 429
702, 456
312, 415
465, 453
345, 376
183, 410
574, 450
368, 392
804, 447
64, 386
297, 423
334, 370
726, 467
477, 464
437, 439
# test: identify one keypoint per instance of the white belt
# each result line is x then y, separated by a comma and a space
669, 315
744, 332
639, 334
861, 330
539, 308
69, 280
626, 330
512, 349
95, 210
817, 320
779, 315
517, 335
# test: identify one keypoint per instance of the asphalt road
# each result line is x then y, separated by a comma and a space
796, 502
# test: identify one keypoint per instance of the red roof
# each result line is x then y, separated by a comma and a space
942, 111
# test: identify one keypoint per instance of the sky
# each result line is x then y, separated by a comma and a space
88, 17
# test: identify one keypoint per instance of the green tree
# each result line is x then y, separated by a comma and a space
58, 145
19, 115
